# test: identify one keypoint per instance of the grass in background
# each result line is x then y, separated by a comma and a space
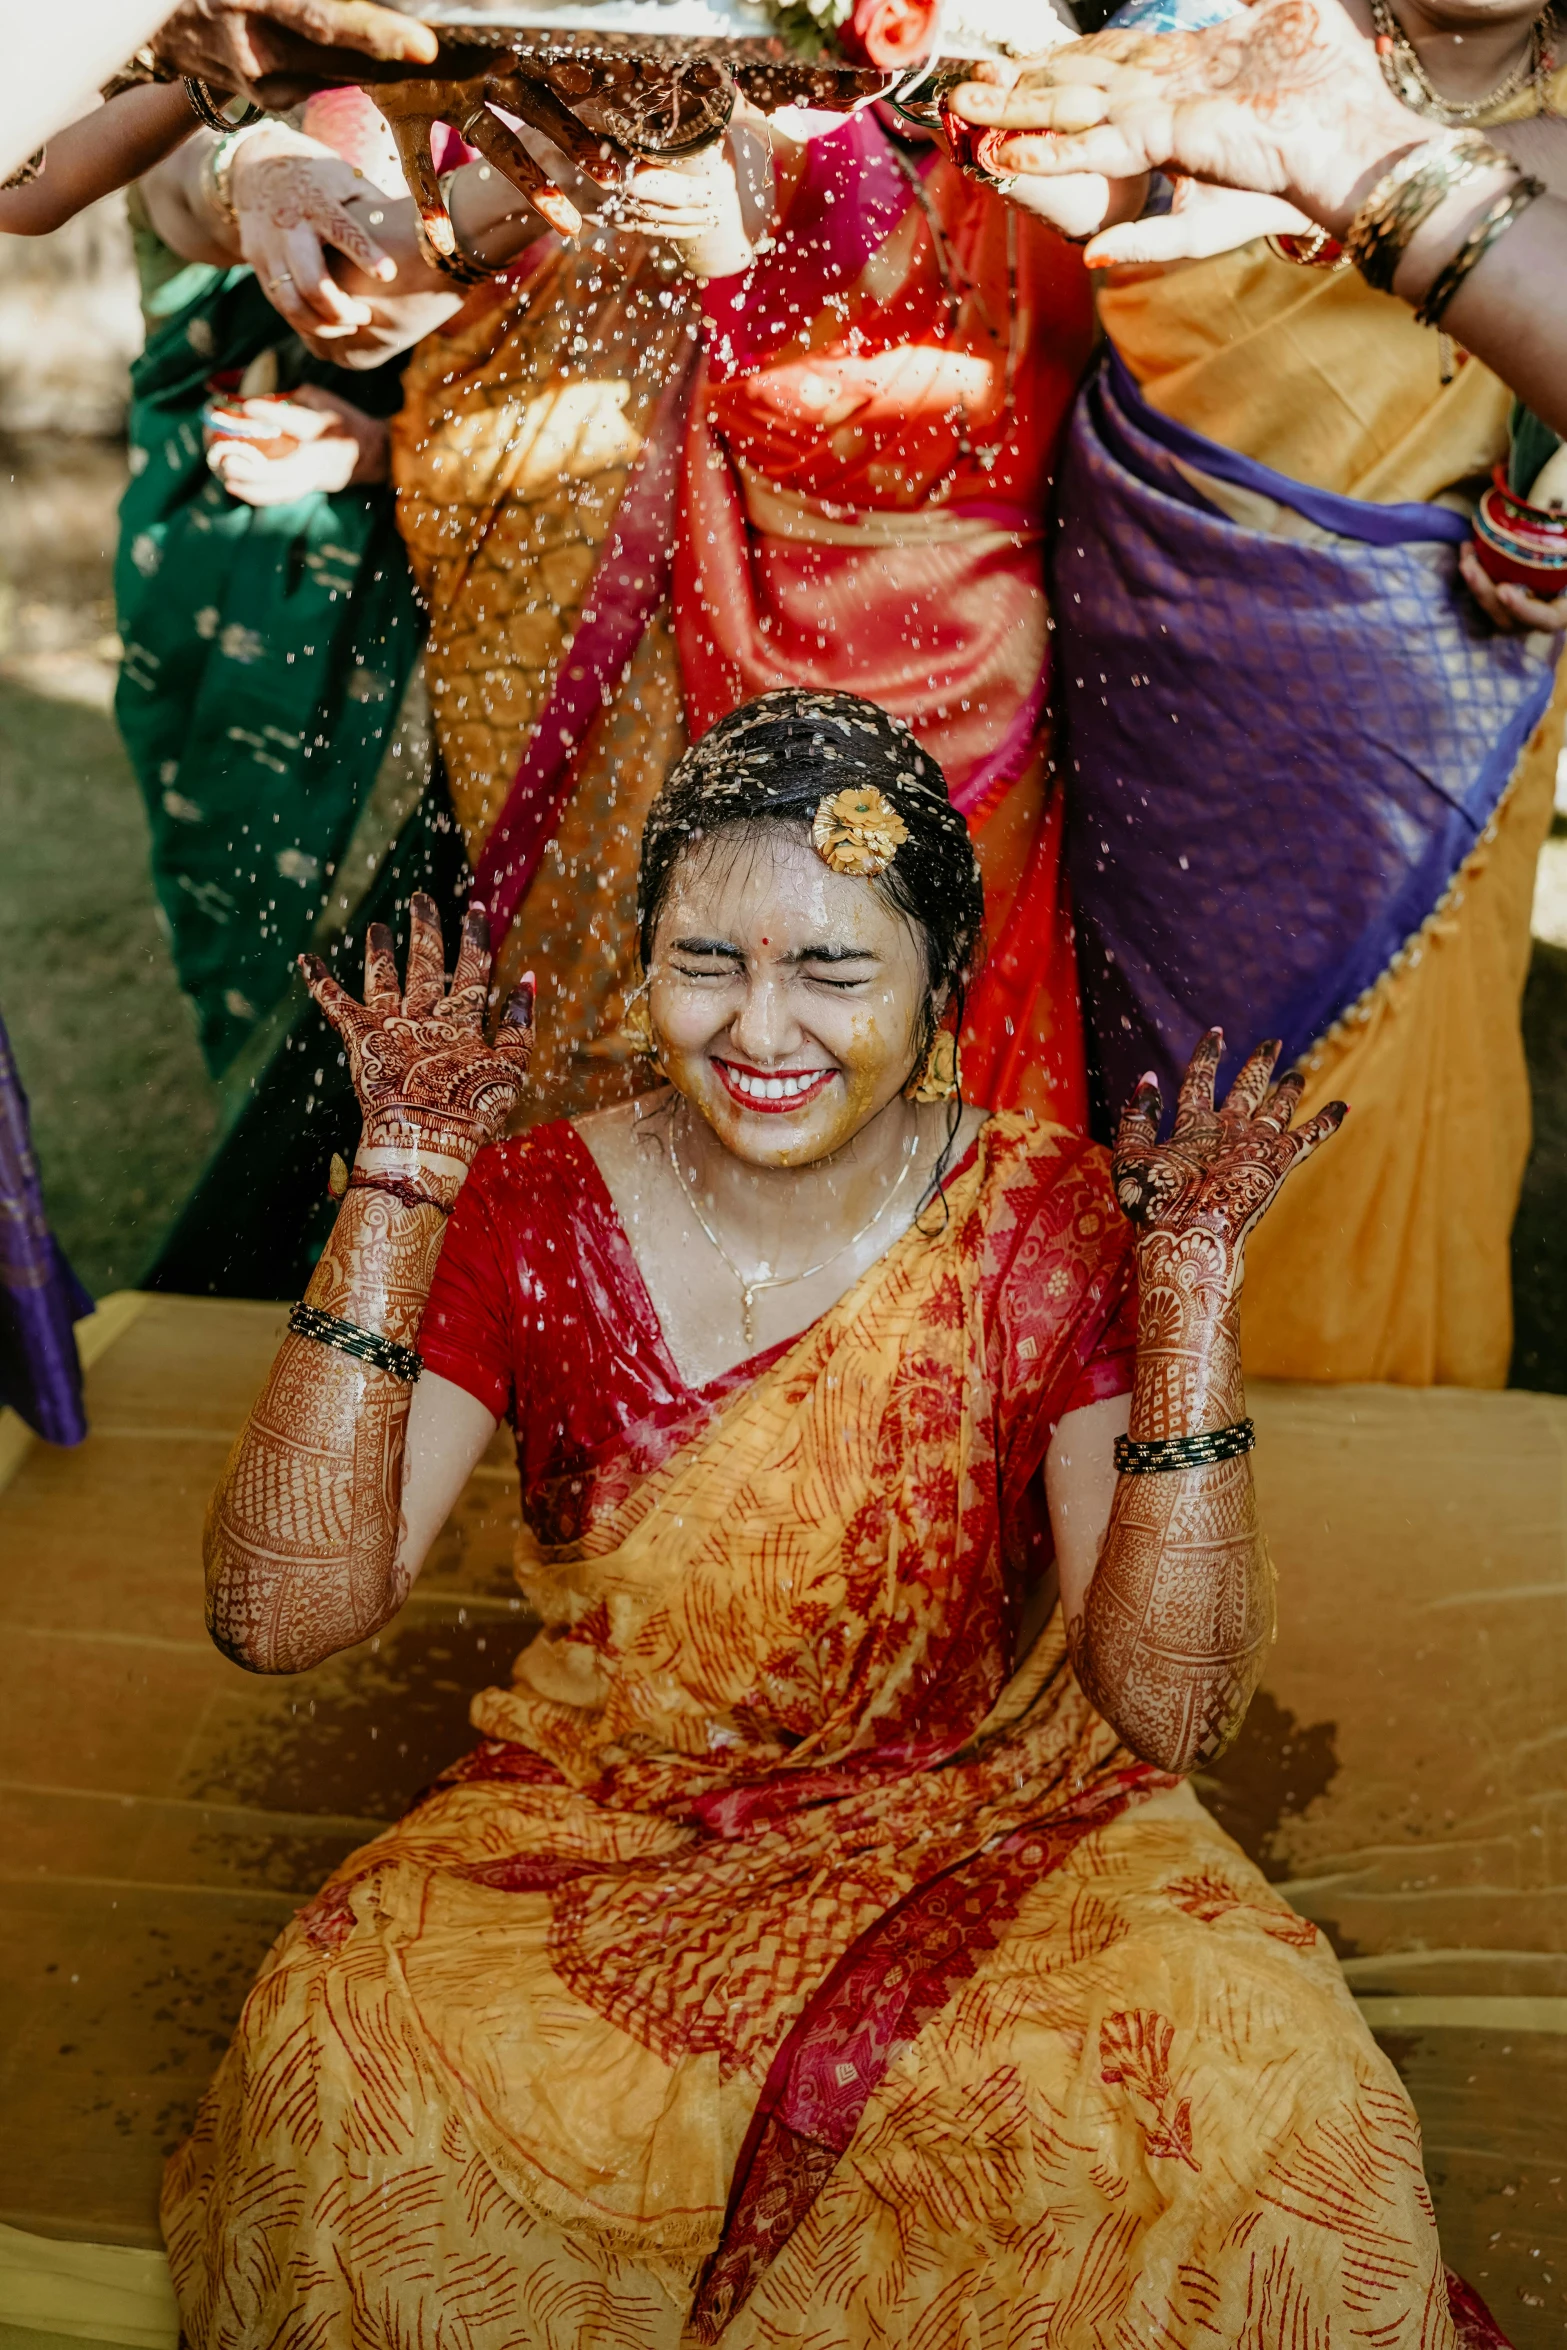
122, 1109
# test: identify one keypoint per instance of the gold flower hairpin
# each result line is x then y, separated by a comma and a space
858, 831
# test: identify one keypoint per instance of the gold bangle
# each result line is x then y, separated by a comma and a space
1406, 196
220, 171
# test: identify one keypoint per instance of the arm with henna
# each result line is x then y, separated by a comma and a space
1170, 1640
1287, 100
315, 1532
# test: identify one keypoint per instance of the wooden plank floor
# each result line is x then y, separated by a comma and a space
161, 1813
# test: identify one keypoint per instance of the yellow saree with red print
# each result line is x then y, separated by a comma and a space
798, 1958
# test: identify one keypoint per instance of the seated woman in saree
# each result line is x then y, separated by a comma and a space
822, 1942
1333, 736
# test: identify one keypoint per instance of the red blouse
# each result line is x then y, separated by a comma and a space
539, 1311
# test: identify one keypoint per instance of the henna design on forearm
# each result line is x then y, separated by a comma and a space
304, 1533
1170, 1642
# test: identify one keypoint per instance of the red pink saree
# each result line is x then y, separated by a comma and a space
798, 1959
850, 451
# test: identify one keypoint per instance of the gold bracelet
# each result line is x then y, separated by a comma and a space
220, 171
1406, 196
140, 69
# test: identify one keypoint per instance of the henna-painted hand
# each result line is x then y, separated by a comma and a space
292, 198
1286, 99
1221, 1169
424, 1074
413, 108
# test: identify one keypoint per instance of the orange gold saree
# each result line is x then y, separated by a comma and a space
798, 1958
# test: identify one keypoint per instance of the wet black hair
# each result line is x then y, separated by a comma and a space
773, 761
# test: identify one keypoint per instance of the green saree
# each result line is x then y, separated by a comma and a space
266, 655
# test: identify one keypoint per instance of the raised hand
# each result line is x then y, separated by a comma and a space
1170, 1641
1221, 1169
1285, 100
693, 203
429, 1084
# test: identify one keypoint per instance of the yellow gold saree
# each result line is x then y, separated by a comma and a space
798, 1958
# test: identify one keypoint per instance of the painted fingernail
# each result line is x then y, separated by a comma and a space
379, 937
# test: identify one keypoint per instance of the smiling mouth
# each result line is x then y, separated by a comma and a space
778, 1089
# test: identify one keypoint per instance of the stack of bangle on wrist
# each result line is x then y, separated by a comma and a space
1406, 196
366, 1346
1150, 1456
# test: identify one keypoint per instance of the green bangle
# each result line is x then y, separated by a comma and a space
368, 1346
1137, 1456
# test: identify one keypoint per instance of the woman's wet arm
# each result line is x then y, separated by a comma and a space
324, 1511
304, 1544
1171, 1634
1168, 1637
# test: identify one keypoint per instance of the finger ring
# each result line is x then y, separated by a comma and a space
284, 277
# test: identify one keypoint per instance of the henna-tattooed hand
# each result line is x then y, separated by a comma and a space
427, 1080
413, 108
291, 198
1170, 1641
1221, 1169
1285, 100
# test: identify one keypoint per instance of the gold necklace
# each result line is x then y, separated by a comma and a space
752, 1285
1406, 76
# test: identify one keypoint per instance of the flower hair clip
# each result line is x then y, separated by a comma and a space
858, 831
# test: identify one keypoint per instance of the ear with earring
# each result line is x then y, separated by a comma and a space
939, 1075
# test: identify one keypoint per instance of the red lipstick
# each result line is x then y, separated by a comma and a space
812, 1083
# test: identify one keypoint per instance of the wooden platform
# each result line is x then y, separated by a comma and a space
161, 1812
